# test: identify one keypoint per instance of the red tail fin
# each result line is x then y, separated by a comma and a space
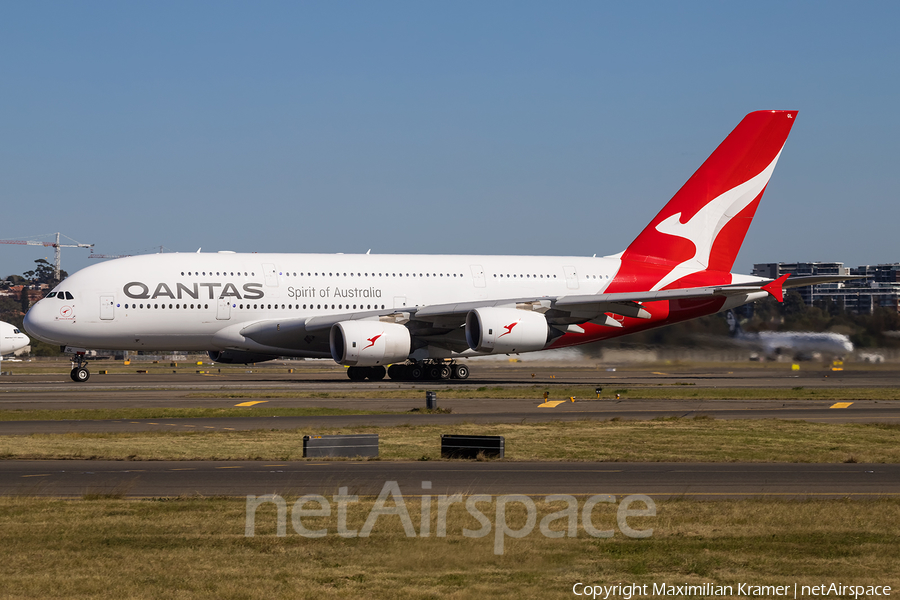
703, 225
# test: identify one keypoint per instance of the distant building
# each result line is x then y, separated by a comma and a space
878, 286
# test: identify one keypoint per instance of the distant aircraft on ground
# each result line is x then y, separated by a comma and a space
11, 339
793, 344
419, 313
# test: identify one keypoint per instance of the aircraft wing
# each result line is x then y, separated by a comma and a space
564, 312
581, 308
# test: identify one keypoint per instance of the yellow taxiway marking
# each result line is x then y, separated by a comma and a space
229, 428
841, 405
189, 425
208, 427
274, 465
152, 423
658, 373
551, 403
186, 469
251, 403
41, 475
235, 467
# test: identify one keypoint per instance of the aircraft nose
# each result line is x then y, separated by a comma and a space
40, 323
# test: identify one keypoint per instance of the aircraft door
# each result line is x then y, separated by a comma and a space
478, 276
223, 310
107, 307
571, 278
270, 274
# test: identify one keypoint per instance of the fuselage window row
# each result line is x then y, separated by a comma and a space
257, 306
219, 273
331, 274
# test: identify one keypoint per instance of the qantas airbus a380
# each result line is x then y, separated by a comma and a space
417, 313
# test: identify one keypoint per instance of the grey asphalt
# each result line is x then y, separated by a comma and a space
483, 411
77, 478
185, 390
155, 479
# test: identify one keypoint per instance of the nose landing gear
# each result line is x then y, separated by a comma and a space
80, 373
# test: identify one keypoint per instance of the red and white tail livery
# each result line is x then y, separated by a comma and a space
415, 316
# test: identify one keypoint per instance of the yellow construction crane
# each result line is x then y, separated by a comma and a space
55, 245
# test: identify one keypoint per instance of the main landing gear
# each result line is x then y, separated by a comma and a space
415, 371
80, 373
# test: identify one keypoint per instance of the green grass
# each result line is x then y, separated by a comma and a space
196, 548
663, 440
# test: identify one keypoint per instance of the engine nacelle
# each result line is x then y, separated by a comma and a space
369, 343
236, 357
506, 330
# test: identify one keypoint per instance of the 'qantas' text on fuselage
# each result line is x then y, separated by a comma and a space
141, 291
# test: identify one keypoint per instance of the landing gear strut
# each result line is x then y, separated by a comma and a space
80, 373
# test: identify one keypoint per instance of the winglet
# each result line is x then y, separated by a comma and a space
775, 288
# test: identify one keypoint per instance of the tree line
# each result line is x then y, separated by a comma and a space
13, 308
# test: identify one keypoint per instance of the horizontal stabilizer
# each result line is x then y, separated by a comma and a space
795, 282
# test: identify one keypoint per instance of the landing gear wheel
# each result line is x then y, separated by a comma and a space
460, 372
356, 373
444, 372
376, 373
415, 372
396, 372
80, 374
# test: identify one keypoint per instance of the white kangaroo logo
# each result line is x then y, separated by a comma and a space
704, 227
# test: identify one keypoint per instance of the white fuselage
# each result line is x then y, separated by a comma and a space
203, 301
11, 339
783, 342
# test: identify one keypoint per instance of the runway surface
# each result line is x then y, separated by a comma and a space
274, 386
483, 411
77, 478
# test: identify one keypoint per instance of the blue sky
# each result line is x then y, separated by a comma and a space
411, 127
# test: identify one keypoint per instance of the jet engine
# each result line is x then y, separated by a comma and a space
369, 343
506, 330
237, 357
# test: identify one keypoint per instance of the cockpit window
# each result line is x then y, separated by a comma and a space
51, 294
16, 331
69, 296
